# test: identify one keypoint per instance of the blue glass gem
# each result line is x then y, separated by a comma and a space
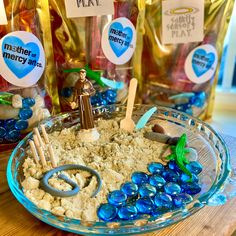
145, 205
191, 188
28, 102
139, 178
130, 189
172, 189
97, 99
111, 93
189, 111
12, 135
192, 100
103, 102
97, 104
110, 96
93, 100
157, 181
170, 176
21, 124
182, 199
156, 168
127, 212
66, 92
25, 113
163, 201
194, 167
117, 198
173, 166
156, 212
183, 107
147, 190
185, 178
9, 124
107, 212
199, 99
2, 132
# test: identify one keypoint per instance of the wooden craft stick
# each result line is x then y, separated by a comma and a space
127, 123
34, 151
45, 135
36, 131
52, 156
42, 157
36, 141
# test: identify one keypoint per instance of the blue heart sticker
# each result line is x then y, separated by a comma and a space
20, 58
202, 62
119, 38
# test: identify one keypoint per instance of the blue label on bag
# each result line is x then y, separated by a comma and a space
22, 58
201, 63
119, 41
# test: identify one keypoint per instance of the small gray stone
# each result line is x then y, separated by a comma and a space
192, 155
161, 138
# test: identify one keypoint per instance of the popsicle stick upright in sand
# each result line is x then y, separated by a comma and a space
127, 123
39, 150
45, 135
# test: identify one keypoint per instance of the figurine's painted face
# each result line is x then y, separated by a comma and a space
82, 74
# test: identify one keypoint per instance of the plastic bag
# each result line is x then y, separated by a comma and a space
77, 44
161, 67
20, 108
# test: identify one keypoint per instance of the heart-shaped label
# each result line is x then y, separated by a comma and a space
20, 58
202, 62
120, 38
119, 41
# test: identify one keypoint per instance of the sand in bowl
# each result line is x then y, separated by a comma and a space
115, 156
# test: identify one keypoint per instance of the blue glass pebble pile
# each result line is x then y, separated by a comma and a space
101, 98
10, 130
198, 100
165, 188
106, 97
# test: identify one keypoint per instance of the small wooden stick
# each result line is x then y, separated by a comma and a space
40, 150
36, 141
34, 151
42, 157
36, 131
45, 135
127, 123
52, 156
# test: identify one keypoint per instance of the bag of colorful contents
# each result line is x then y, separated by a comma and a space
77, 44
22, 59
178, 52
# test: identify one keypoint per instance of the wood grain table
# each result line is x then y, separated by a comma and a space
15, 219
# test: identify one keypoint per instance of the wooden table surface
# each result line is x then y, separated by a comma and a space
15, 219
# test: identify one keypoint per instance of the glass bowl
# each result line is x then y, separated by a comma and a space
217, 178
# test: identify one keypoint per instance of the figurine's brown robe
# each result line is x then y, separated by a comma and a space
83, 101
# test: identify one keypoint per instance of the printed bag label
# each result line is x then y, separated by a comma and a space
22, 58
83, 8
182, 21
201, 63
119, 41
